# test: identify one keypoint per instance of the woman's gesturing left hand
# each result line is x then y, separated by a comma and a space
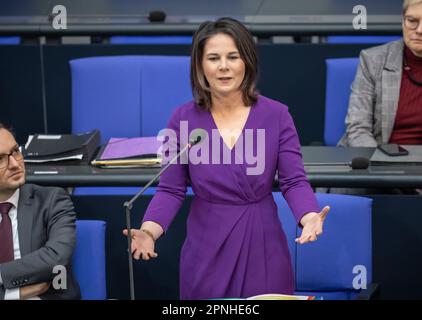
312, 223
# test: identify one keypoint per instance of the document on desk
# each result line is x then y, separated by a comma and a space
129, 153
414, 156
121, 148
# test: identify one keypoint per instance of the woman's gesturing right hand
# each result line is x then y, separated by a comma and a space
143, 245
143, 240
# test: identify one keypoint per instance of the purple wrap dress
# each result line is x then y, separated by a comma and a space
235, 246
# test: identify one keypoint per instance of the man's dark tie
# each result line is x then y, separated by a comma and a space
6, 234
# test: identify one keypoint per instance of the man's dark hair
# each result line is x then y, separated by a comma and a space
2, 126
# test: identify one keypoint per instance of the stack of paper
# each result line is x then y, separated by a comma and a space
129, 153
275, 296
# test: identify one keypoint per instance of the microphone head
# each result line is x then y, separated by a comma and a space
157, 16
197, 135
360, 163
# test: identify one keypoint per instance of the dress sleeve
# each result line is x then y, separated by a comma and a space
293, 182
171, 189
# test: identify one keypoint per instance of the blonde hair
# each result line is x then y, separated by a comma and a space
408, 3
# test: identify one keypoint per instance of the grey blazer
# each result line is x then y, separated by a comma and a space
47, 237
375, 95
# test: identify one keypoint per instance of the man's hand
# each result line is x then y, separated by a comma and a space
33, 290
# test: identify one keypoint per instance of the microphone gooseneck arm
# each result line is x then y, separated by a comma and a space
129, 204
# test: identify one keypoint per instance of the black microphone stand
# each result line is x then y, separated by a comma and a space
129, 204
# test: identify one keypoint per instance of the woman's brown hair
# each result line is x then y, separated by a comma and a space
247, 50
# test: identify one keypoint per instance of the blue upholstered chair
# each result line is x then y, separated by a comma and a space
165, 85
361, 39
340, 75
151, 40
126, 96
325, 268
10, 40
89, 259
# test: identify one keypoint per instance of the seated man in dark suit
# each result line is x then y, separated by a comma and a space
37, 233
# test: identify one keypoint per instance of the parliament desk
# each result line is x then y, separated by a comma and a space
324, 166
264, 18
397, 258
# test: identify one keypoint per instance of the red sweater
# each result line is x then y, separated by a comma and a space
408, 123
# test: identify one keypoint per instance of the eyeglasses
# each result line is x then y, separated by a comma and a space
411, 23
16, 153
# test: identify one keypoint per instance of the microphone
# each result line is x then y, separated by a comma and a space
356, 163
156, 16
196, 136
152, 16
360, 163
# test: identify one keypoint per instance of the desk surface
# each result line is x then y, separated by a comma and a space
325, 167
265, 17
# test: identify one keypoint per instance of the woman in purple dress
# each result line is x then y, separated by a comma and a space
235, 246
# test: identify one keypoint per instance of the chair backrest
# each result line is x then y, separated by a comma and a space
340, 75
120, 95
288, 224
106, 96
151, 40
361, 39
89, 259
328, 267
10, 40
165, 84
126, 96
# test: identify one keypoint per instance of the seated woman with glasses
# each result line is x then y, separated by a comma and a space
386, 100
